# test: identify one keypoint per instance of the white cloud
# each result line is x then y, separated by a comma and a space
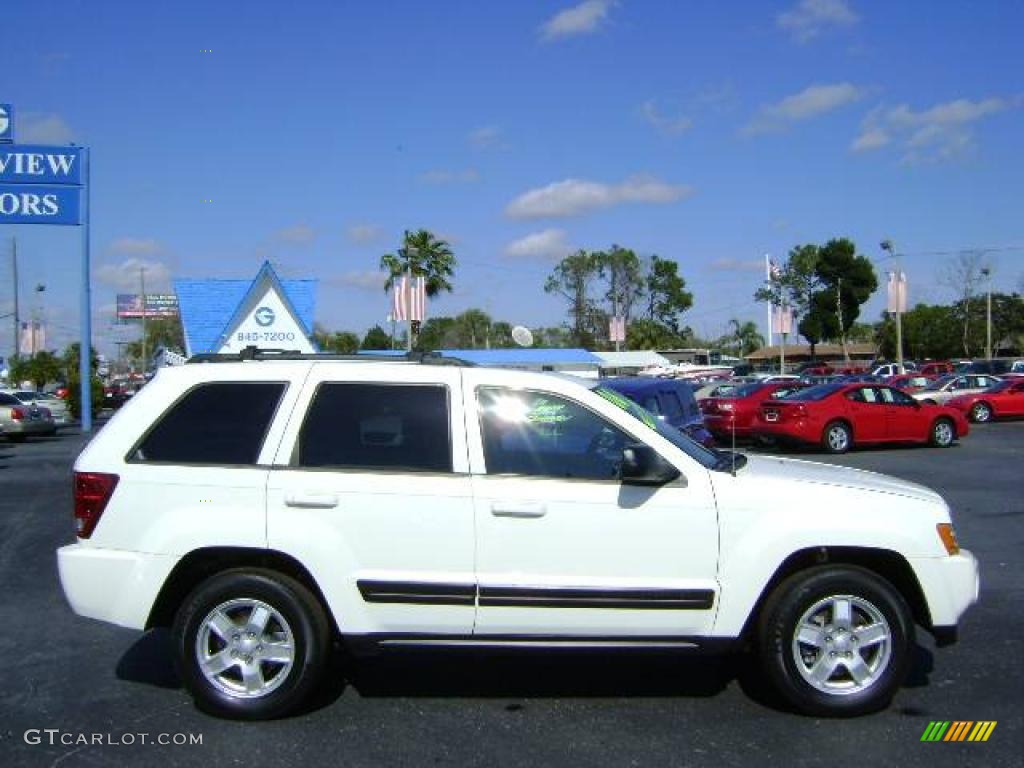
811, 102
580, 19
809, 18
39, 128
573, 197
300, 234
366, 280
737, 265
670, 126
548, 244
127, 275
487, 137
363, 233
135, 246
449, 176
941, 132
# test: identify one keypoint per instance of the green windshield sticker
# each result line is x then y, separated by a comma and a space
546, 412
623, 402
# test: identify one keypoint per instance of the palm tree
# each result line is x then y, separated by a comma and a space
746, 336
421, 254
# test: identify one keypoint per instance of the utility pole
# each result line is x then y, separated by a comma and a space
839, 317
142, 281
898, 306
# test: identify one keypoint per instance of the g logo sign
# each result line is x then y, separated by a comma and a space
5, 121
264, 316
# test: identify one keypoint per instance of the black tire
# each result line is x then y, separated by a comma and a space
981, 412
943, 433
16, 438
295, 616
872, 602
837, 437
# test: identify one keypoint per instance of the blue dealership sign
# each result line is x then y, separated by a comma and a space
6, 123
40, 204
33, 164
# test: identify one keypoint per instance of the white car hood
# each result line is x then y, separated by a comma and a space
773, 468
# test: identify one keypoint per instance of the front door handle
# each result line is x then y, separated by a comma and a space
502, 509
311, 500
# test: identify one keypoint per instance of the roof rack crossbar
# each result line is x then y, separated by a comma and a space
251, 353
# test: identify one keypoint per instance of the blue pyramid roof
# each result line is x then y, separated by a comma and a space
209, 307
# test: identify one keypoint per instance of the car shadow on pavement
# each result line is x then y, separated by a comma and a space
150, 660
540, 675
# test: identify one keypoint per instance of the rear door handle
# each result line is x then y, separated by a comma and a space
500, 509
311, 500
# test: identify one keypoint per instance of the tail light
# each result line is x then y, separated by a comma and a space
92, 492
17, 414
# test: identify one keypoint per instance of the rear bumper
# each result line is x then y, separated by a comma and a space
112, 585
791, 431
25, 427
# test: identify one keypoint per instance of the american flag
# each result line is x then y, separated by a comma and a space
409, 301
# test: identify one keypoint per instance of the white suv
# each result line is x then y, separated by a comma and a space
264, 509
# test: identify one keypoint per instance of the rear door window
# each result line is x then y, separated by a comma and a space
215, 423
377, 426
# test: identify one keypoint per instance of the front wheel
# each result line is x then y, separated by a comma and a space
943, 433
835, 641
251, 644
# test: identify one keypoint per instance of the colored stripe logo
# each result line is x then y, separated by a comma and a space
959, 730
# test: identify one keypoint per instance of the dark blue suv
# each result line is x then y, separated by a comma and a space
670, 400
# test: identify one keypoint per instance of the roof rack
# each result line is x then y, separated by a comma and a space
255, 353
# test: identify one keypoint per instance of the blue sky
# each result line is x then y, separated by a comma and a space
711, 133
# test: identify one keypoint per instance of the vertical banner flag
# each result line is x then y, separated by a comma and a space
418, 299
898, 292
782, 319
409, 301
400, 305
617, 329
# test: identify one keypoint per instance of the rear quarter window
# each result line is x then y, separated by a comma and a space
216, 423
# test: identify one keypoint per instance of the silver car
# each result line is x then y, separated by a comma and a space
942, 390
18, 420
57, 407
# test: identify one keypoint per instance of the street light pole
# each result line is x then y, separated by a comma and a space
888, 246
142, 283
986, 272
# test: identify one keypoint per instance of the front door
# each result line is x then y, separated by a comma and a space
869, 415
563, 547
371, 492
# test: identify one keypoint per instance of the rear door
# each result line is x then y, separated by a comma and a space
370, 491
563, 547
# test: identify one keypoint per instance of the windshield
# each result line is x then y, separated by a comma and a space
819, 392
708, 457
747, 389
1003, 385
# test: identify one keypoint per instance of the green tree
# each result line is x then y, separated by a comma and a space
376, 338
437, 333
667, 297
650, 334
421, 254
620, 267
40, 369
501, 335
473, 328
160, 332
743, 337
338, 342
573, 279
847, 280
794, 285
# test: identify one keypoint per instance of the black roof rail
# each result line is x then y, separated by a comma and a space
255, 353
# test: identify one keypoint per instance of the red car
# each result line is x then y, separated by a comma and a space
737, 412
837, 416
934, 369
1003, 399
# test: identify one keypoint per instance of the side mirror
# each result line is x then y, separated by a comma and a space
642, 465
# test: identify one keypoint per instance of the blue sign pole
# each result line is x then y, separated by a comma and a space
85, 344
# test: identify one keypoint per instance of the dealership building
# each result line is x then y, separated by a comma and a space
225, 316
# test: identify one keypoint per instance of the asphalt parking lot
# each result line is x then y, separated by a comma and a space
84, 678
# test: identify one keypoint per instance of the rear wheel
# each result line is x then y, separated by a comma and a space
943, 433
837, 437
251, 644
835, 641
981, 412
